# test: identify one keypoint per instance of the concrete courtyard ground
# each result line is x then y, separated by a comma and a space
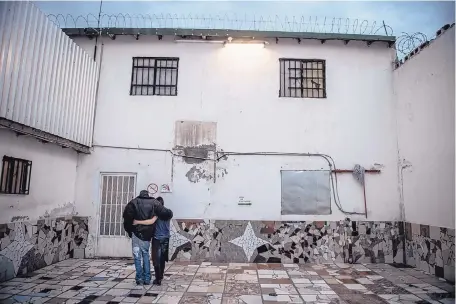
112, 281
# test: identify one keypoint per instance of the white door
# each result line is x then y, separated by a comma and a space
117, 189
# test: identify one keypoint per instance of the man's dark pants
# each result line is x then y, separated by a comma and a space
160, 250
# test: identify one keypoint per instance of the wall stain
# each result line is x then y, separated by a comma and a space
407, 166
222, 172
195, 174
63, 210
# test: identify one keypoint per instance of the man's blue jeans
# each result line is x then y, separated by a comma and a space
142, 260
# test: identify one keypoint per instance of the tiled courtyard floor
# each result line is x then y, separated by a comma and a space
112, 281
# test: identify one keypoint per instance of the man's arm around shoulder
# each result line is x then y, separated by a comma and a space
162, 212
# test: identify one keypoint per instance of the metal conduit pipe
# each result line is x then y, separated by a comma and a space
329, 160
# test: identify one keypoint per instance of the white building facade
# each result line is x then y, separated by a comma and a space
228, 99
267, 146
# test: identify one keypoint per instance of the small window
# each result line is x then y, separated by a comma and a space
302, 78
15, 177
154, 76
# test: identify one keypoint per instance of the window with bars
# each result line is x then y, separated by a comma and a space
15, 177
154, 76
116, 191
302, 78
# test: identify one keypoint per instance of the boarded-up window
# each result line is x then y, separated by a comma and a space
195, 133
116, 191
306, 192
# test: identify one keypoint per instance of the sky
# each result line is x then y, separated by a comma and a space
407, 16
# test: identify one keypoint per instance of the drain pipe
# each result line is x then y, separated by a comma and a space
97, 87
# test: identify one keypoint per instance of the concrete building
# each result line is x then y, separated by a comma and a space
268, 146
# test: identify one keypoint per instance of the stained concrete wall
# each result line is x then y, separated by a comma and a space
52, 183
235, 90
424, 89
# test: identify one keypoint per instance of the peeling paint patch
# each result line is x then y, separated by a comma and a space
221, 172
195, 174
63, 210
407, 165
19, 218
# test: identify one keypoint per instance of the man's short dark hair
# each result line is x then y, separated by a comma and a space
160, 199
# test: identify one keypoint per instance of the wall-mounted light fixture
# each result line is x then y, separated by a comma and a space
199, 41
227, 41
231, 40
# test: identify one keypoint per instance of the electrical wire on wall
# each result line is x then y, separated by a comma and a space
332, 167
329, 160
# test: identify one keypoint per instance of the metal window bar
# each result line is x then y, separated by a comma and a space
164, 79
116, 191
302, 78
15, 176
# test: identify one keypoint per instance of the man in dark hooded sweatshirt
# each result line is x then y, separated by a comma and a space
140, 208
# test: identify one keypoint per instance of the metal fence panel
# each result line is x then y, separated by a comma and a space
47, 82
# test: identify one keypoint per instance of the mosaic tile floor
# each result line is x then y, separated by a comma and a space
112, 281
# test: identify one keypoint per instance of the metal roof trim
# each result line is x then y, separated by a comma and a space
72, 32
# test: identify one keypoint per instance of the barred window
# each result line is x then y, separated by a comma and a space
302, 78
154, 76
15, 177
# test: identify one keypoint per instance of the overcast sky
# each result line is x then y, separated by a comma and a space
410, 16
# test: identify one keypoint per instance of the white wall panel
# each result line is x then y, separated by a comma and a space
46, 81
424, 88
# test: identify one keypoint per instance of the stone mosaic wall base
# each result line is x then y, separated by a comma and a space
431, 249
27, 246
286, 242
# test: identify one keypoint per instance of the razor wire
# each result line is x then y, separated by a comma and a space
225, 22
406, 43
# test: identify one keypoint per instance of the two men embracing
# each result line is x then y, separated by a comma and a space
146, 221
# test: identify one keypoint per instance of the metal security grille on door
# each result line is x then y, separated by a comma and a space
116, 192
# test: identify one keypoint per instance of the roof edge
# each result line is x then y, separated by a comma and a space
43, 136
222, 33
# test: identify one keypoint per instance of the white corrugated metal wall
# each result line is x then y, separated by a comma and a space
46, 81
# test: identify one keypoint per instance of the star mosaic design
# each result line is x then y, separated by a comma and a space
249, 242
176, 239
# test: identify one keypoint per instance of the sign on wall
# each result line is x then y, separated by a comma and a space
165, 188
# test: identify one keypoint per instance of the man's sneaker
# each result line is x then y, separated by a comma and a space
139, 282
156, 282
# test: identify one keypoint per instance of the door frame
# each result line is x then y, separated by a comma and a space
100, 195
